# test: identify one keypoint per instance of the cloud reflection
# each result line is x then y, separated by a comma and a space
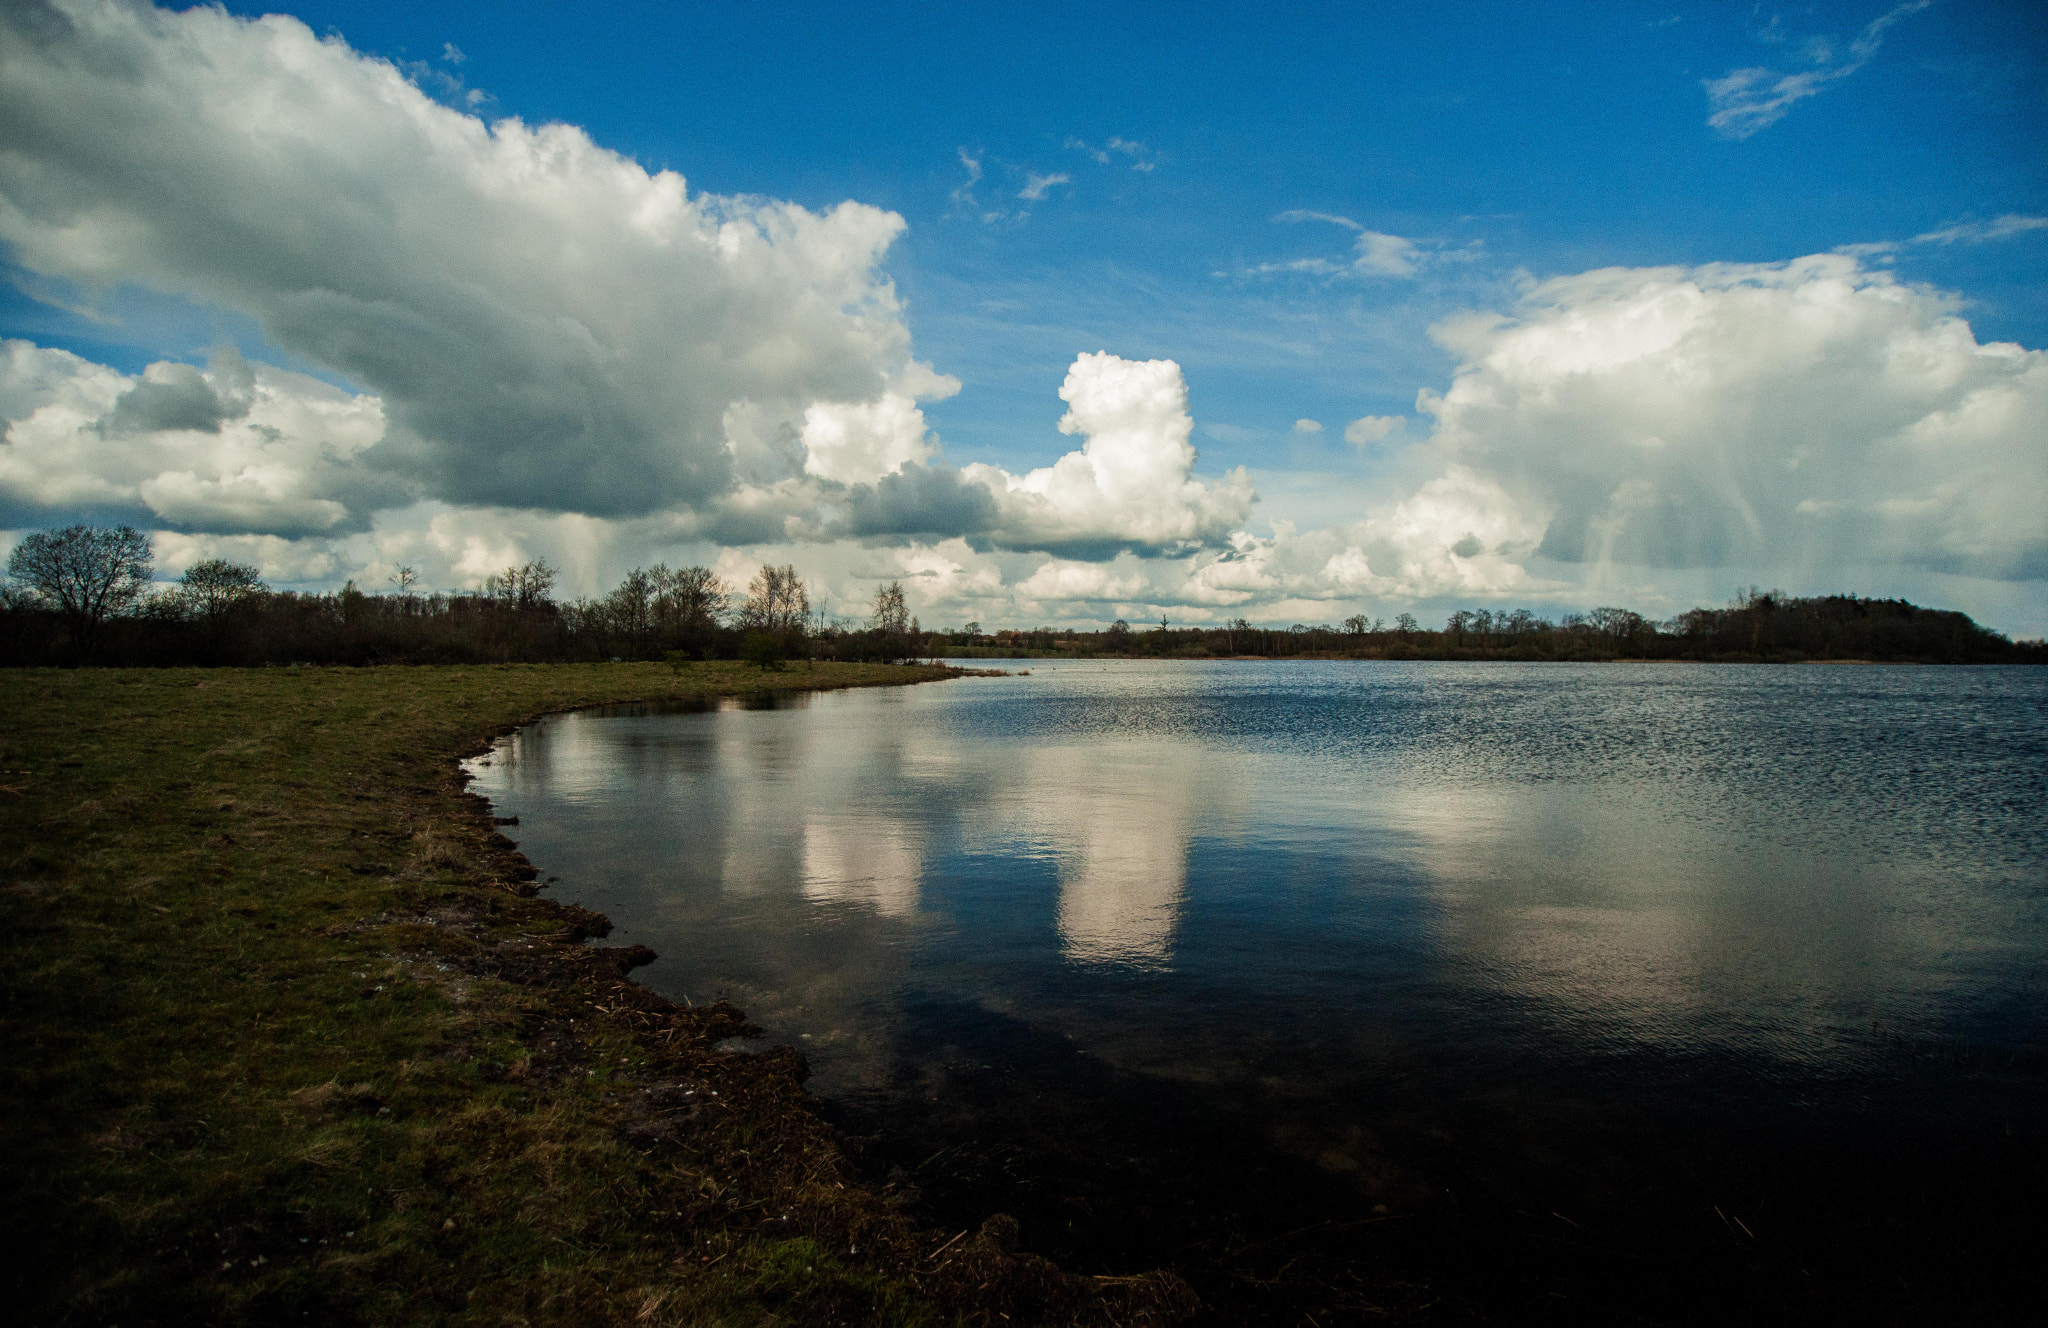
1117, 818
866, 861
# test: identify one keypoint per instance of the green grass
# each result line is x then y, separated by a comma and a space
285, 1037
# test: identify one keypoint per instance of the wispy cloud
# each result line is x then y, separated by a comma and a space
1141, 158
1373, 253
1963, 232
963, 195
1036, 184
1746, 101
964, 200
1976, 232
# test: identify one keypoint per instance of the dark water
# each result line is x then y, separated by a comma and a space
1509, 991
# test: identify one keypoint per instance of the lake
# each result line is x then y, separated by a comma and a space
1521, 990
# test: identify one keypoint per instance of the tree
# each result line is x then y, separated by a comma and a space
629, 610
892, 614
528, 587
86, 572
763, 649
1355, 624
1406, 625
405, 578
217, 585
971, 630
688, 603
1620, 624
776, 602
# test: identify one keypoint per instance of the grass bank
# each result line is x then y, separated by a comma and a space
286, 1036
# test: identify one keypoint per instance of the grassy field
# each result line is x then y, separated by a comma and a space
287, 1038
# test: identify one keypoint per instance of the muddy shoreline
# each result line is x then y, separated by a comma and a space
288, 1035
799, 1171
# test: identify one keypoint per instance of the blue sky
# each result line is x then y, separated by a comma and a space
1292, 204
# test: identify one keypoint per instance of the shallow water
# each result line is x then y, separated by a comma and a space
1348, 904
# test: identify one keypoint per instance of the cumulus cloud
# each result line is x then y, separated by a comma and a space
1746, 101
237, 448
859, 442
545, 323
1804, 413
1308, 426
174, 396
1132, 484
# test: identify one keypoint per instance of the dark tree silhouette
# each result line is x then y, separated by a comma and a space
85, 572
215, 586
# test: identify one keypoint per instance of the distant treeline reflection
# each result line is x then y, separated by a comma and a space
85, 595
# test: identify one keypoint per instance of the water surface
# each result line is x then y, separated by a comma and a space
1349, 904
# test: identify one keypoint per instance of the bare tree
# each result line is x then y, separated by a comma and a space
85, 572
892, 614
529, 587
1620, 624
629, 610
689, 601
776, 602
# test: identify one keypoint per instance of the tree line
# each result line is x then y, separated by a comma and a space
85, 595
1758, 626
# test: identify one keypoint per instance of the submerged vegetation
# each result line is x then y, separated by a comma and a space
286, 1036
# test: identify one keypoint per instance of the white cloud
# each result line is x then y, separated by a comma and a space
1369, 429
1036, 184
963, 194
1998, 228
1745, 101
1681, 418
237, 448
1373, 253
1117, 145
859, 442
1058, 579
1308, 426
545, 323
1966, 232
1132, 483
